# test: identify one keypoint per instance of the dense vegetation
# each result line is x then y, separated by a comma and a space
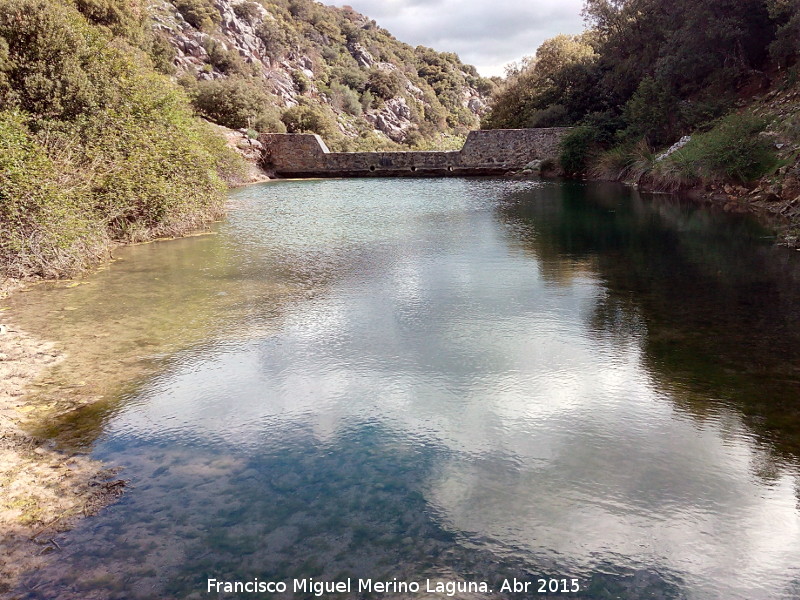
339, 66
95, 145
647, 72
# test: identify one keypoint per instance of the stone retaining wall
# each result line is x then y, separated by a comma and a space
488, 152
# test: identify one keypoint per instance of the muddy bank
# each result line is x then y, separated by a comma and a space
43, 491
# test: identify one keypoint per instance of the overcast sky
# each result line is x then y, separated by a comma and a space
486, 33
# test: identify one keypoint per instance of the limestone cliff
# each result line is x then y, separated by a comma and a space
334, 59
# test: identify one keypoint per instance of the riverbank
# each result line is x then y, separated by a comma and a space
775, 196
44, 490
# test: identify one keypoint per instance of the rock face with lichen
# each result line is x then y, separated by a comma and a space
334, 59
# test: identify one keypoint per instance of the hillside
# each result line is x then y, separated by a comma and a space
297, 65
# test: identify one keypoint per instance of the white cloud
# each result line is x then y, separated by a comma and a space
486, 33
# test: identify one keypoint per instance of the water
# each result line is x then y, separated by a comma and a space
455, 380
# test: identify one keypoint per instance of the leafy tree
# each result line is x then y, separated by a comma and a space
652, 112
560, 75
276, 38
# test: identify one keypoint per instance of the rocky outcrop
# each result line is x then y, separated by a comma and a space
297, 73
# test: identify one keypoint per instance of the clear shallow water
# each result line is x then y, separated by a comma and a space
447, 379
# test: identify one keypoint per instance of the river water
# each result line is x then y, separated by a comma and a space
463, 380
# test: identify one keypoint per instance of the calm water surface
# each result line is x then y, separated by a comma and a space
449, 379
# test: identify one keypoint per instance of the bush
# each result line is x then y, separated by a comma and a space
96, 147
732, 150
122, 17
368, 101
578, 147
384, 84
235, 102
48, 47
309, 119
651, 112
275, 38
352, 77
269, 121
628, 162
345, 99
229, 62
301, 82
44, 229
162, 53
200, 14
247, 11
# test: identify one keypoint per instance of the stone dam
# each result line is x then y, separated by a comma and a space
485, 152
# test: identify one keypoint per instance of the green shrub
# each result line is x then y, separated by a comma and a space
269, 121
578, 147
248, 11
228, 61
49, 46
275, 37
44, 229
352, 77
162, 53
122, 17
384, 84
301, 82
310, 119
96, 147
200, 14
235, 102
368, 101
345, 99
651, 112
731, 150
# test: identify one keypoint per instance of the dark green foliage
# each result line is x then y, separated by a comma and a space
578, 148
275, 37
200, 14
49, 47
551, 89
383, 84
648, 70
785, 48
345, 99
352, 77
652, 113
301, 82
125, 18
162, 53
235, 102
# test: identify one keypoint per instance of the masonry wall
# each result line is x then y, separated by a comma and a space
487, 152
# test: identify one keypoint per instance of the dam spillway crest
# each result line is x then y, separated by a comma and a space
485, 152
